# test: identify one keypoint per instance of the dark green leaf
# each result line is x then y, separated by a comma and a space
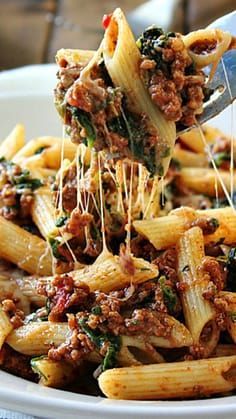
96, 310
85, 121
170, 297
40, 150
61, 221
99, 339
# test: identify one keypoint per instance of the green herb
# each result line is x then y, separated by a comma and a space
175, 164
61, 221
220, 158
48, 306
160, 170
31, 184
40, 150
232, 316
214, 223
35, 368
165, 152
54, 243
99, 339
186, 268
24, 181
170, 297
96, 310
151, 43
85, 121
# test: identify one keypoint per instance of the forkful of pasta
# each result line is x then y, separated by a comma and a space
132, 98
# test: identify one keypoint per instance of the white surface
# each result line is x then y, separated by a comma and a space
26, 96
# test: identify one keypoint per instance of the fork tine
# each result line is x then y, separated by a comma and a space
218, 102
214, 107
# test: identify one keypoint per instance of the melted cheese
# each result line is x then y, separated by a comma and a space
210, 156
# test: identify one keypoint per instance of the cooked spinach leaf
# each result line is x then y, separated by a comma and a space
99, 339
170, 297
85, 121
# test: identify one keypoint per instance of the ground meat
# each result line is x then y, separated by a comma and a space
16, 315
164, 95
77, 221
16, 192
173, 83
76, 348
64, 294
204, 46
167, 264
212, 267
207, 224
112, 314
140, 247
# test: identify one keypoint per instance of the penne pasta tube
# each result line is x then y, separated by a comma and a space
10, 289
28, 289
205, 181
26, 250
47, 151
189, 158
193, 138
106, 273
36, 338
175, 380
53, 373
5, 326
199, 313
179, 337
13, 143
122, 59
44, 173
138, 351
43, 211
164, 232
205, 37
74, 56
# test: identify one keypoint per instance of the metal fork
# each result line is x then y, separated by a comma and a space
221, 98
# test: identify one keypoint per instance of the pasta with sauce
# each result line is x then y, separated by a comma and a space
109, 271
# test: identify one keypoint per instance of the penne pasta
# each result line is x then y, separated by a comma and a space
170, 381
13, 143
122, 59
10, 289
188, 158
53, 373
125, 276
205, 181
165, 231
199, 313
26, 250
74, 56
43, 211
47, 151
36, 338
106, 274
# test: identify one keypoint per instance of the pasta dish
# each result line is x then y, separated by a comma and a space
118, 240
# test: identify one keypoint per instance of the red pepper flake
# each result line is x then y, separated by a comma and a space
106, 21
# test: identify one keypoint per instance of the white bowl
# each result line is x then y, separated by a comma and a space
26, 96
